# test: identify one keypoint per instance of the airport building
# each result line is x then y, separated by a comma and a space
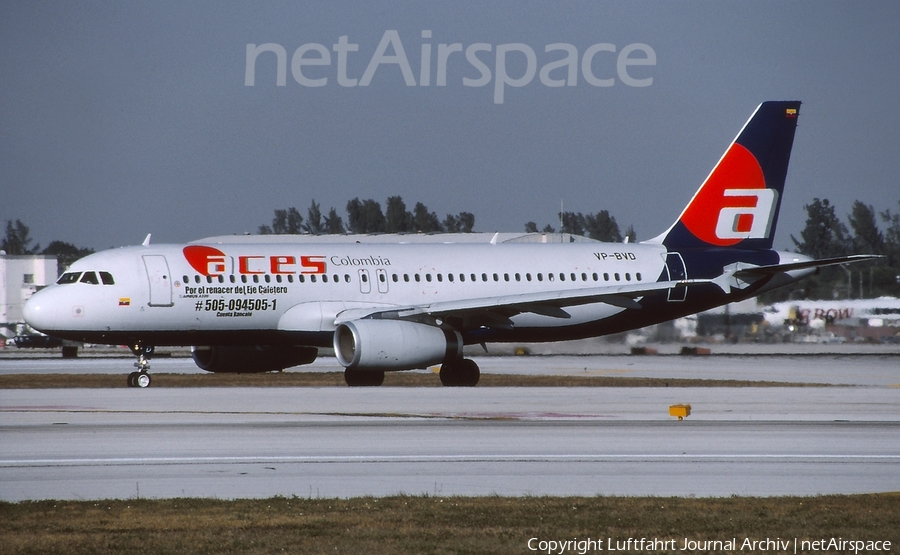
20, 277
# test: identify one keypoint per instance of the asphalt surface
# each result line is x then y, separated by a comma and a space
343, 442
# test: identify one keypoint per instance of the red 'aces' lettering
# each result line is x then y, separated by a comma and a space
244, 264
277, 262
313, 264
210, 261
205, 260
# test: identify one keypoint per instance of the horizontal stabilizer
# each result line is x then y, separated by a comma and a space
761, 271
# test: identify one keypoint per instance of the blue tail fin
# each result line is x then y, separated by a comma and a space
738, 204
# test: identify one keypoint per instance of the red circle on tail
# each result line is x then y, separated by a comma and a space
738, 169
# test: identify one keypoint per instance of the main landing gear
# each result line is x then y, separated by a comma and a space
460, 373
141, 378
363, 378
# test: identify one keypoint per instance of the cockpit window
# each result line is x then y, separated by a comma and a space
90, 277
107, 278
68, 277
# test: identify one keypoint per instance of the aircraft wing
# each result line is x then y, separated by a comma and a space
499, 309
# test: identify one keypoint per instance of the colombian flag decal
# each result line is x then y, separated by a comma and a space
124, 301
790, 113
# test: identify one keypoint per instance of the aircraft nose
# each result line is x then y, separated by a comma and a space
38, 312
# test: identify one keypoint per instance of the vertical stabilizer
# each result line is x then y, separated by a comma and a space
738, 204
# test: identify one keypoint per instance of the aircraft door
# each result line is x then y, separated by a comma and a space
159, 279
381, 276
677, 271
365, 284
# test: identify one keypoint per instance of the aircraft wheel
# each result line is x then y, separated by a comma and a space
363, 378
142, 379
470, 373
132, 379
460, 373
450, 374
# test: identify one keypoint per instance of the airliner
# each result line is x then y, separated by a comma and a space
270, 304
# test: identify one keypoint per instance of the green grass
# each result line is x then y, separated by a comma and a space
404, 524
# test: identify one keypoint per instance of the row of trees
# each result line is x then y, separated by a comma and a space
600, 226
825, 235
17, 241
366, 216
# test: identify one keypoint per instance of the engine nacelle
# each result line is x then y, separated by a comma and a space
394, 345
251, 359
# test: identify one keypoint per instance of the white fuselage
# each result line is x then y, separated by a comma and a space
304, 287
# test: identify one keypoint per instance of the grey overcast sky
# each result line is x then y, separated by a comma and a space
119, 119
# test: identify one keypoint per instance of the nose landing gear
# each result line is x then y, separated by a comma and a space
141, 378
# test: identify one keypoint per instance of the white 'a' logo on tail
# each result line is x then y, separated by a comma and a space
748, 222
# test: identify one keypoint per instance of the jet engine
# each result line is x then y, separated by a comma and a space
394, 345
250, 359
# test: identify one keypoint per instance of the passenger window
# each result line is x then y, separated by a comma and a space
278, 278
505, 277
462, 277
290, 278
196, 279
638, 276
605, 276
382, 278
518, 277
231, 278
324, 278
627, 276
496, 277
540, 276
406, 278
573, 277
91, 278
527, 277
222, 278
562, 276
255, 278
69, 277
267, 278
427, 277
440, 277
616, 275
347, 278
583, 277
549, 277
107, 278
450, 277
483, 277
185, 279
418, 277
474, 277
595, 276
302, 278
395, 278
243, 279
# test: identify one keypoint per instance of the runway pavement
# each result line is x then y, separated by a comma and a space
848, 368
255, 442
